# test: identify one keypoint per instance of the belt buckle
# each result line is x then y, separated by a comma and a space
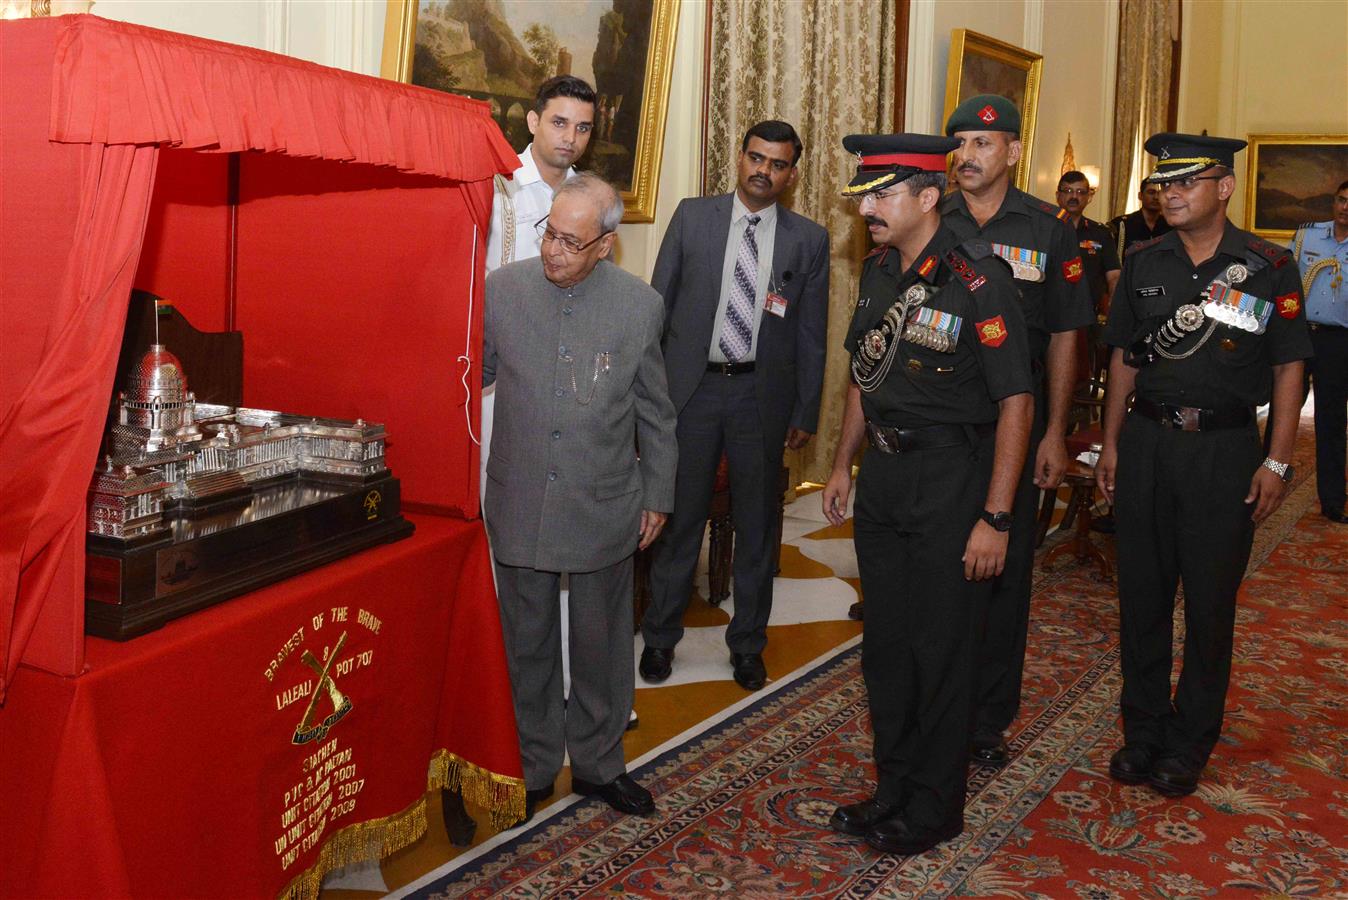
1187, 418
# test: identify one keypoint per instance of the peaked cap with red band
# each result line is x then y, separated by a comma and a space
884, 160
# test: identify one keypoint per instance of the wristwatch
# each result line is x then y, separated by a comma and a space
998, 520
1281, 469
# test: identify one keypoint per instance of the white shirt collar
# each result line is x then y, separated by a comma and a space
738, 211
528, 172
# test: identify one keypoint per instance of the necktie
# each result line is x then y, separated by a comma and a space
738, 332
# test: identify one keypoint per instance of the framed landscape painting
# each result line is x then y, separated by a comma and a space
499, 51
984, 65
1291, 180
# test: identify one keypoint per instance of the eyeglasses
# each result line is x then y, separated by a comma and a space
569, 244
1189, 183
1077, 192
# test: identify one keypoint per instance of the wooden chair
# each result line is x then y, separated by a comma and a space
1080, 479
1087, 407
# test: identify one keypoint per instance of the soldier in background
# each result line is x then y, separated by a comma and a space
1042, 250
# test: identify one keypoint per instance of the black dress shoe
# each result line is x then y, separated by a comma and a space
532, 798
656, 663
1131, 764
894, 835
857, 611
992, 755
859, 818
1335, 515
1174, 776
750, 673
622, 793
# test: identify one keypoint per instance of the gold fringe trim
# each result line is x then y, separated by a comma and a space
362, 842
501, 795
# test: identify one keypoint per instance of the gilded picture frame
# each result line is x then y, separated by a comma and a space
628, 139
980, 64
1291, 179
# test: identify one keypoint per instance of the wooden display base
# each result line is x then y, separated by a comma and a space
132, 588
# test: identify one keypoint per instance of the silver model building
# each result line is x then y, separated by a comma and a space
168, 451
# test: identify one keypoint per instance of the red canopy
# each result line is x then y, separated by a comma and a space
348, 250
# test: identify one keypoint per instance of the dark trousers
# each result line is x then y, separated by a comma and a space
1001, 659
721, 415
1180, 515
913, 515
591, 724
1328, 373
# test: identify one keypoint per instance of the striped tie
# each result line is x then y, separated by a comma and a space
738, 332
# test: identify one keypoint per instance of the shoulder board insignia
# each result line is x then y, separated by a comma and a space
965, 271
1274, 253
1044, 206
976, 248
1304, 225
1142, 246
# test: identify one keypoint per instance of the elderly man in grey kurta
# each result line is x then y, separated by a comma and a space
572, 343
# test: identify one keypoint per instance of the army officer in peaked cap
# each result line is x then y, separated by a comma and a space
941, 390
1206, 324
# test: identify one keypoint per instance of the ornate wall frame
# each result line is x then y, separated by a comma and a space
1301, 173
639, 196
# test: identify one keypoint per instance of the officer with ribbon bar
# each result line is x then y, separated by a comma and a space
1207, 324
1042, 249
941, 389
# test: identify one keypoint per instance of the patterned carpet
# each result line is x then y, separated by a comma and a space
743, 808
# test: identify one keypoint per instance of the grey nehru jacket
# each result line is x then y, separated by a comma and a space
580, 384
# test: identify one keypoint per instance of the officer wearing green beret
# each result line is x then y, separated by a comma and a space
941, 382
1042, 249
1207, 324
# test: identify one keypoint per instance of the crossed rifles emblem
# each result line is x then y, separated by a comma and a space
341, 704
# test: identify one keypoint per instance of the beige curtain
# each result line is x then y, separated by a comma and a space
825, 66
1147, 29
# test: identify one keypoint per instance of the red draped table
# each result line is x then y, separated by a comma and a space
213, 758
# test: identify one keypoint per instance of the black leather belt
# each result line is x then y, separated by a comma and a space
743, 368
1190, 418
888, 439
1320, 326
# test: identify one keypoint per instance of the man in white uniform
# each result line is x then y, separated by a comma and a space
561, 122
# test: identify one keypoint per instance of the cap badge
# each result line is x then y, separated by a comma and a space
988, 114
1165, 153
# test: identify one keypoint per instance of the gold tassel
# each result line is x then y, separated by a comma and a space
362, 842
501, 795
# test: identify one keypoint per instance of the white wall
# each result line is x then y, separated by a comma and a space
1078, 39
1263, 67
346, 34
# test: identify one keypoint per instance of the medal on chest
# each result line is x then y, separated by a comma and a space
1026, 265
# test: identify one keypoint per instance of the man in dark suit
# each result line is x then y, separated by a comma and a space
745, 283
